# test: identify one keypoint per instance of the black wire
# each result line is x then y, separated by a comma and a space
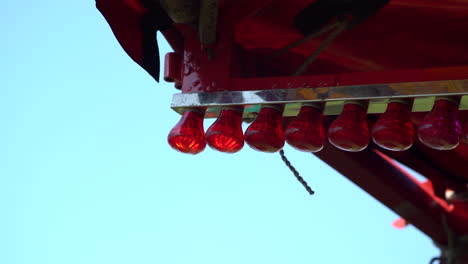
305, 39
341, 27
295, 172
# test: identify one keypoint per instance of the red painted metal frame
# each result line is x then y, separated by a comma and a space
173, 68
374, 171
344, 79
382, 178
398, 37
417, 159
223, 71
371, 170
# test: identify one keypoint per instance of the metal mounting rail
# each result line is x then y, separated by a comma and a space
378, 95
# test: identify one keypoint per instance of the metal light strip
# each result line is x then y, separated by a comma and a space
377, 94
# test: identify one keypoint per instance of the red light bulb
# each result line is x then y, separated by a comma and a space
307, 132
266, 132
188, 135
440, 128
350, 131
226, 134
394, 129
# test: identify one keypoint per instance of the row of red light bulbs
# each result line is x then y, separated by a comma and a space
440, 129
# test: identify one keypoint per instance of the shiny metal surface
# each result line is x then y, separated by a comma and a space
378, 96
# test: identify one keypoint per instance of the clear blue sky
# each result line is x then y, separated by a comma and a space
86, 175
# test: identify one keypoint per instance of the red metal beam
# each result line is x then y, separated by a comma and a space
381, 177
441, 179
357, 78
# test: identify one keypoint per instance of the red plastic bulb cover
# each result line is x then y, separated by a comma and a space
225, 134
266, 132
440, 128
188, 135
350, 131
394, 129
307, 132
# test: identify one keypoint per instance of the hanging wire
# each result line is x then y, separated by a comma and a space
295, 172
342, 26
449, 252
451, 240
434, 260
305, 39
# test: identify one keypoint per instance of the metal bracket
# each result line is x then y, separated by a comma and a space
334, 97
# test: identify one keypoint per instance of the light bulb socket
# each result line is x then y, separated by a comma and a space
406, 101
238, 108
363, 103
453, 99
275, 106
200, 110
317, 105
